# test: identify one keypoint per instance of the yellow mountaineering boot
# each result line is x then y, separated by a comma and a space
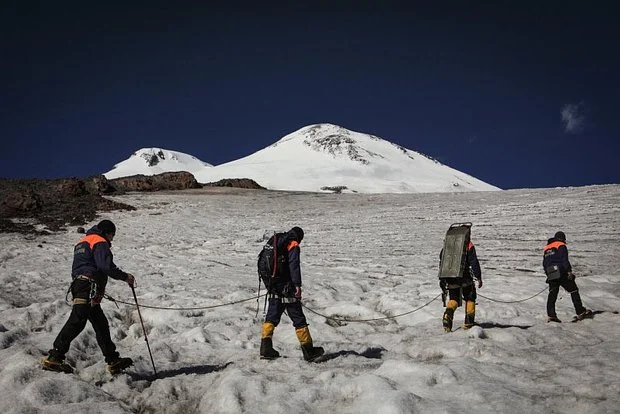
311, 353
448, 315
470, 314
266, 342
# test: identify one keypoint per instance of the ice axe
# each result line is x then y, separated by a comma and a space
144, 329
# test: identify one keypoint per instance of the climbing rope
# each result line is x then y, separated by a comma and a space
110, 298
371, 319
116, 302
511, 301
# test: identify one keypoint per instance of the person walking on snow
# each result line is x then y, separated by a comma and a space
285, 295
560, 273
92, 265
464, 287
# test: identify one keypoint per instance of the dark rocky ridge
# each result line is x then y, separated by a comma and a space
26, 204
53, 203
237, 183
181, 180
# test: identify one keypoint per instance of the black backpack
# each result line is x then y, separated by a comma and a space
272, 260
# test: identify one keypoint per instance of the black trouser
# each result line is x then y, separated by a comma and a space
468, 292
80, 314
571, 287
294, 311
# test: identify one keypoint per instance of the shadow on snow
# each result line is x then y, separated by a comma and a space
487, 325
197, 369
371, 353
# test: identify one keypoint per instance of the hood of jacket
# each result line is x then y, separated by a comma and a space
96, 230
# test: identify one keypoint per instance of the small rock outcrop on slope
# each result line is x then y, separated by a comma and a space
237, 183
28, 205
181, 180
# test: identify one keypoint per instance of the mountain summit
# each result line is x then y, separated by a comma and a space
326, 157
152, 161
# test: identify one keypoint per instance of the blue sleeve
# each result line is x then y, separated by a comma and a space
472, 259
295, 266
564, 262
105, 263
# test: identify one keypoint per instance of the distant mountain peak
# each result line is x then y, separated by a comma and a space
318, 157
152, 156
152, 161
341, 142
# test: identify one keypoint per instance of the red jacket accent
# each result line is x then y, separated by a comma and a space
92, 240
556, 244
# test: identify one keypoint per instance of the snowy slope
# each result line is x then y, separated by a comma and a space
151, 161
364, 257
326, 155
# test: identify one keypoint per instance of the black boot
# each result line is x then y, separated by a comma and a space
119, 365
52, 363
448, 317
266, 349
311, 353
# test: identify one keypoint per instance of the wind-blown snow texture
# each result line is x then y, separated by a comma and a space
152, 161
325, 157
363, 257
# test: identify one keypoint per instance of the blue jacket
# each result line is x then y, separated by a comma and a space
290, 275
555, 253
92, 257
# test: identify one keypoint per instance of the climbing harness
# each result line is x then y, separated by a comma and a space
92, 294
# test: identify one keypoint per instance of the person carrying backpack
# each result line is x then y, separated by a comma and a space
560, 273
279, 268
458, 259
92, 264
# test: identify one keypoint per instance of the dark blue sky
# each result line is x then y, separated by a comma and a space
481, 86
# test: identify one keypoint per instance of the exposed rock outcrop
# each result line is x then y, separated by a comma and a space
236, 182
181, 180
26, 205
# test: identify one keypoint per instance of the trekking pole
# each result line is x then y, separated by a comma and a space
258, 297
144, 330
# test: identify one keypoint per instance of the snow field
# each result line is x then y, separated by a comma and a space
363, 257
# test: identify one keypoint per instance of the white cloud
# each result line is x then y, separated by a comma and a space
573, 117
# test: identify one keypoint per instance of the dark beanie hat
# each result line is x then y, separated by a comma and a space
299, 233
560, 236
107, 227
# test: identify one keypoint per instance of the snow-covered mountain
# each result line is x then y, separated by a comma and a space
326, 157
323, 156
151, 161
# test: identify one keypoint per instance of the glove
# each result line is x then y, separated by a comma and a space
479, 283
298, 292
571, 276
130, 279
